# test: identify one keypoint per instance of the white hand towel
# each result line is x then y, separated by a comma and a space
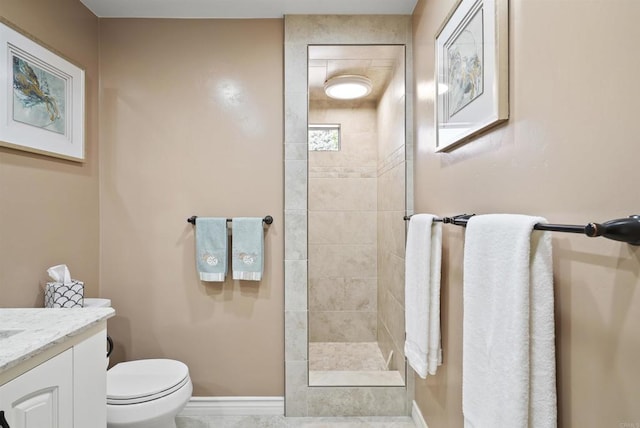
508, 361
211, 248
422, 294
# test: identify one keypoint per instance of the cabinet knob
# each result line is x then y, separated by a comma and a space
3, 421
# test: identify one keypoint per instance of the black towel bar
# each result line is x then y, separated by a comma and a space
621, 229
267, 220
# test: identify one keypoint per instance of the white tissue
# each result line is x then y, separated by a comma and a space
60, 273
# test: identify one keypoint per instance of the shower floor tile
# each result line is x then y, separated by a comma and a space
346, 356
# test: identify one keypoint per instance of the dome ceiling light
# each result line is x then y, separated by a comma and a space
347, 87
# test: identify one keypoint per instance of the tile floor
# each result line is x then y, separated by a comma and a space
354, 357
349, 363
346, 356
282, 422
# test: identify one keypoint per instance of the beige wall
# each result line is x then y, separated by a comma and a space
49, 206
569, 153
191, 124
390, 212
342, 227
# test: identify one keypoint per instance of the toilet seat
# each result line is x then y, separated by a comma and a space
141, 381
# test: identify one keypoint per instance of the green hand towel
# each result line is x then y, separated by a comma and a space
211, 248
247, 248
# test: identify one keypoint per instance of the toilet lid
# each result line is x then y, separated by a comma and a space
144, 380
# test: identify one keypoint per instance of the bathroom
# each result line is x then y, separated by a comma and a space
187, 117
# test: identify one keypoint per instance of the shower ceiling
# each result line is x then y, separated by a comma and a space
374, 62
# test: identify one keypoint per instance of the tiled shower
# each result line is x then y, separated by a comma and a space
356, 231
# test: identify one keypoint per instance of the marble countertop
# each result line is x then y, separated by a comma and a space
25, 333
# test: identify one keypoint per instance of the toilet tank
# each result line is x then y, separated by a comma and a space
100, 303
90, 302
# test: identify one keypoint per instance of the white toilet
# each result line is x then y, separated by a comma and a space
145, 393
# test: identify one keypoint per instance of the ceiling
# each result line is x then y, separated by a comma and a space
373, 61
244, 8
324, 63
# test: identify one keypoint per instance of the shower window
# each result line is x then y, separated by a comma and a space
324, 138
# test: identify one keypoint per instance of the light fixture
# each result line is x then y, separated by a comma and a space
347, 87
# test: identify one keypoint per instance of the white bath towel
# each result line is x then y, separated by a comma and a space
508, 362
422, 294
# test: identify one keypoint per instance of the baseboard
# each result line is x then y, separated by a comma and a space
234, 406
417, 417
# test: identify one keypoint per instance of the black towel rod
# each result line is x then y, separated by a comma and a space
267, 220
621, 229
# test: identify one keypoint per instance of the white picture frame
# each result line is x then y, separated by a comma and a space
41, 98
472, 71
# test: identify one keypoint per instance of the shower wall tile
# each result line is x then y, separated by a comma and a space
383, 305
343, 294
342, 172
342, 194
391, 112
342, 326
409, 185
295, 285
385, 343
391, 188
296, 119
399, 361
354, 151
295, 335
355, 116
392, 198
392, 130
358, 136
295, 235
342, 227
360, 401
391, 276
388, 344
392, 232
295, 70
395, 321
294, 151
348, 29
356, 261
295, 174
397, 157
295, 388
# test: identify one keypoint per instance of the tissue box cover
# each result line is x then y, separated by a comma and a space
59, 295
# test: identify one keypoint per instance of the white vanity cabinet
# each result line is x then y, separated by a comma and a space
64, 387
41, 397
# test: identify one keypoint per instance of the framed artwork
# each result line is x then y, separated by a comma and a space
41, 98
472, 71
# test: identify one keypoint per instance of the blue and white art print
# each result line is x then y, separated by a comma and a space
41, 98
472, 72
465, 68
38, 96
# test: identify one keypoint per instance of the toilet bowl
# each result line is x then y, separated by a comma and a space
145, 393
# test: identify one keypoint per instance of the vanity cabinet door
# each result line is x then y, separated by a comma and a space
41, 397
